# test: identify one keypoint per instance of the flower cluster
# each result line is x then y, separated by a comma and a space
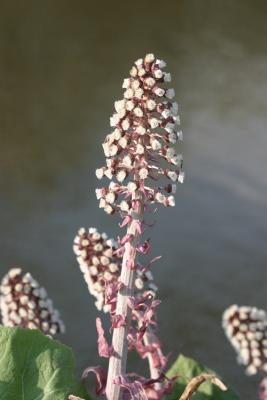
24, 303
246, 328
100, 262
139, 149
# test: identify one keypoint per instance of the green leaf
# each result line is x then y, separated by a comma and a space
35, 367
185, 369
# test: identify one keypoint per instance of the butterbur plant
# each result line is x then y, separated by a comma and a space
143, 168
246, 329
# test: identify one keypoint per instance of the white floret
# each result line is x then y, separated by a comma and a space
166, 113
117, 134
135, 84
154, 123
128, 94
180, 135
138, 93
172, 175
110, 197
126, 83
119, 105
158, 73
108, 174
132, 187
123, 142
150, 81
121, 175
159, 91
138, 112
124, 206
170, 93
140, 149
181, 177
149, 58
114, 120
141, 72
129, 105
167, 77
143, 173
160, 197
141, 130
127, 161
151, 105
99, 173
161, 63
171, 201
155, 144
125, 124
139, 62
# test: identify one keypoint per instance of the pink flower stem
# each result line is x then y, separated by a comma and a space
117, 362
150, 339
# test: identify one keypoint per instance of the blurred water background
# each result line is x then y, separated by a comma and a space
61, 68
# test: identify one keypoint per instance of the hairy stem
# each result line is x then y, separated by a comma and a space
117, 362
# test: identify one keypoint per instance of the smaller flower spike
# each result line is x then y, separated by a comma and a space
100, 263
24, 303
246, 328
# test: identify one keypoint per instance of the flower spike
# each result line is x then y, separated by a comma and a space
24, 303
146, 125
98, 262
246, 328
143, 169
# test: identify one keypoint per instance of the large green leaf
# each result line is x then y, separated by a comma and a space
185, 369
35, 367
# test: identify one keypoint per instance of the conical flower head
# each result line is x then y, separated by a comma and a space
100, 262
139, 150
246, 329
24, 303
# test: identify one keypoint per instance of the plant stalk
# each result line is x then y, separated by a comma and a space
117, 362
149, 339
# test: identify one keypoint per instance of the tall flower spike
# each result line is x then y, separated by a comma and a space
246, 329
24, 303
139, 153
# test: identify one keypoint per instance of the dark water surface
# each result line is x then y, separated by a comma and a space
61, 67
